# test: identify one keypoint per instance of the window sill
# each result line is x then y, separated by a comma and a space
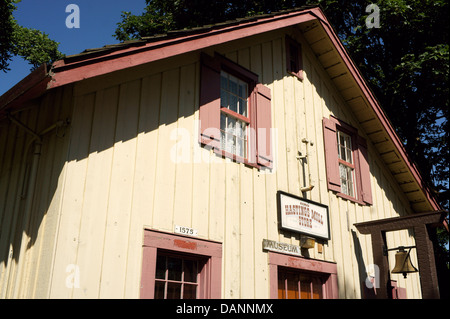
352, 199
236, 158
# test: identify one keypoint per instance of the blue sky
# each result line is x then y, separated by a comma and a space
98, 20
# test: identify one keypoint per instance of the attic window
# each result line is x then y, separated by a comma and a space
294, 62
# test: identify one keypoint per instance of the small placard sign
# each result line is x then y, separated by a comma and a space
186, 230
303, 216
284, 248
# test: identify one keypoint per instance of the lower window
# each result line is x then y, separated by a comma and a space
295, 277
293, 284
177, 267
177, 277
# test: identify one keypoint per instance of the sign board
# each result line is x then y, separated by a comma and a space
303, 216
281, 247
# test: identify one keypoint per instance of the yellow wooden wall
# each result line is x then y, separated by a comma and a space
27, 240
126, 170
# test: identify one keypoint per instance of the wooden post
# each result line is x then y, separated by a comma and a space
379, 259
427, 267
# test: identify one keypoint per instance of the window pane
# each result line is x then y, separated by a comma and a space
190, 270
243, 107
292, 286
343, 172
305, 287
223, 99
223, 121
233, 103
241, 129
349, 156
233, 85
174, 268
294, 58
222, 140
348, 142
161, 267
173, 290
239, 147
241, 90
341, 139
159, 290
231, 125
189, 291
317, 289
223, 81
350, 181
281, 286
342, 153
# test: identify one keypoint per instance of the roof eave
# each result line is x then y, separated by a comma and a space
29, 88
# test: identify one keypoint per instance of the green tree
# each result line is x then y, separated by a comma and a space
32, 45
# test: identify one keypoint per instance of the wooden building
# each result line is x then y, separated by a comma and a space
228, 161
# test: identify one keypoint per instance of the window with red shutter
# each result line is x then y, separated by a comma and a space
235, 112
294, 61
347, 162
210, 102
264, 124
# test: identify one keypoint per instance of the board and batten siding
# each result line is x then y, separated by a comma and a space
134, 162
28, 237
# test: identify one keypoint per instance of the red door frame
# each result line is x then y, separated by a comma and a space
324, 268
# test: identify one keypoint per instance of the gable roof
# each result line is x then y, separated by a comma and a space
316, 30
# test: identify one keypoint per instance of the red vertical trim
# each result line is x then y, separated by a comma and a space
298, 71
264, 124
331, 155
364, 169
148, 273
210, 102
273, 277
215, 277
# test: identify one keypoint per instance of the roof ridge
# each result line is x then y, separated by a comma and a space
187, 31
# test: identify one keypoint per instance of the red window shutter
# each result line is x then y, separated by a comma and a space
210, 102
263, 126
364, 170
331, 155
291, 47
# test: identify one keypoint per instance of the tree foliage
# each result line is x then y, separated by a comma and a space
32, 45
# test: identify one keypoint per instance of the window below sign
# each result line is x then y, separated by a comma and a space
294, 284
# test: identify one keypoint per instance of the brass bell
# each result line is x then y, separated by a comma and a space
403, 263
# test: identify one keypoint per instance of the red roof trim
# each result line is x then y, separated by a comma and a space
32, 86
121, 59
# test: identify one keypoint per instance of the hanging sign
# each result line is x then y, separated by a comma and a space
303, 216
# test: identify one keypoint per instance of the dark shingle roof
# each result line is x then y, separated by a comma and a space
179, 33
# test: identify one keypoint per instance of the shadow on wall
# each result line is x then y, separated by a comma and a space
33, 146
